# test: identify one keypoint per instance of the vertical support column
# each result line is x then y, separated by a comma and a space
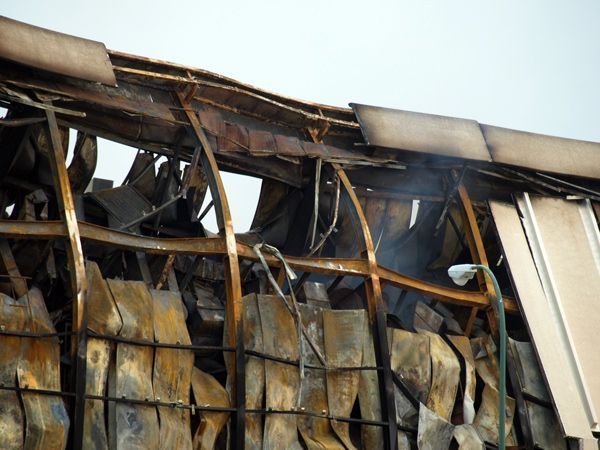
78, 280
377, 319
479, 257
232, 274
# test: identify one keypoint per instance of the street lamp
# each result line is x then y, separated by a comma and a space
460, 274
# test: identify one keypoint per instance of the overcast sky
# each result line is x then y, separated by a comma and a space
528, 65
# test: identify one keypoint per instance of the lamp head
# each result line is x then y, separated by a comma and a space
461, 273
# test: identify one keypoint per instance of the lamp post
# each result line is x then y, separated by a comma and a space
460, 274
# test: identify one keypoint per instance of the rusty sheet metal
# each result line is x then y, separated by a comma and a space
486, 361
13, 316
255, 371
98, 359
403, 442
368, 394
434, 432
411, 361
103, 318
231, 137
428, 133
55, 52
463, 346
486, 420
467, 438
544, 153
282, 385
445, 376
137, 426
172, 369
316, 431
343, 332
208, 391
47, 422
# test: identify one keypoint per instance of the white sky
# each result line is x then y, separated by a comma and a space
523, 64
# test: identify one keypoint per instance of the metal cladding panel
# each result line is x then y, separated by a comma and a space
544, 153
542, 317
565, 240
55, 52
427, 133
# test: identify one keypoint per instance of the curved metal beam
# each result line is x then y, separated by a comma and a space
233, 286
376, 311
66, 206
15, 229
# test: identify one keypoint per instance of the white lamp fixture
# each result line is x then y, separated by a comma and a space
461, 273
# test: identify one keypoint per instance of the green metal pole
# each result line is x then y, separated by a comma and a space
502, 351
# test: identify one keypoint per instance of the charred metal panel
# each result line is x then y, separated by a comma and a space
98, 360
446, 136
544, 153
282, 381
411, 361
46, 417
344, 333
13, 317
172, 369
82, 167
486, 420
208, 391
255, 371
434, 433
545, 428
137, 425
368, 394
528, 370
445, 376
467, 438
55, 52
316, 431
104, 318
463, 346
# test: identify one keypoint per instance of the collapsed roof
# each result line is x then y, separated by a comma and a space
368, 206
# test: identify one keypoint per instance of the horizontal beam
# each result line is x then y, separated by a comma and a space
17, 229
14, 229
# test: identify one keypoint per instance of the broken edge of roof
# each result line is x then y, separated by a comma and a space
222, 78
468, 139
55, 52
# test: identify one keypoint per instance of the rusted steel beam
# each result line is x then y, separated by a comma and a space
51, 229
233, 285
77, 276
13, 229
478, 255
377, 318
442, 293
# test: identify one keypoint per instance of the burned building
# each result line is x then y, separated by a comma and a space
331, 323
